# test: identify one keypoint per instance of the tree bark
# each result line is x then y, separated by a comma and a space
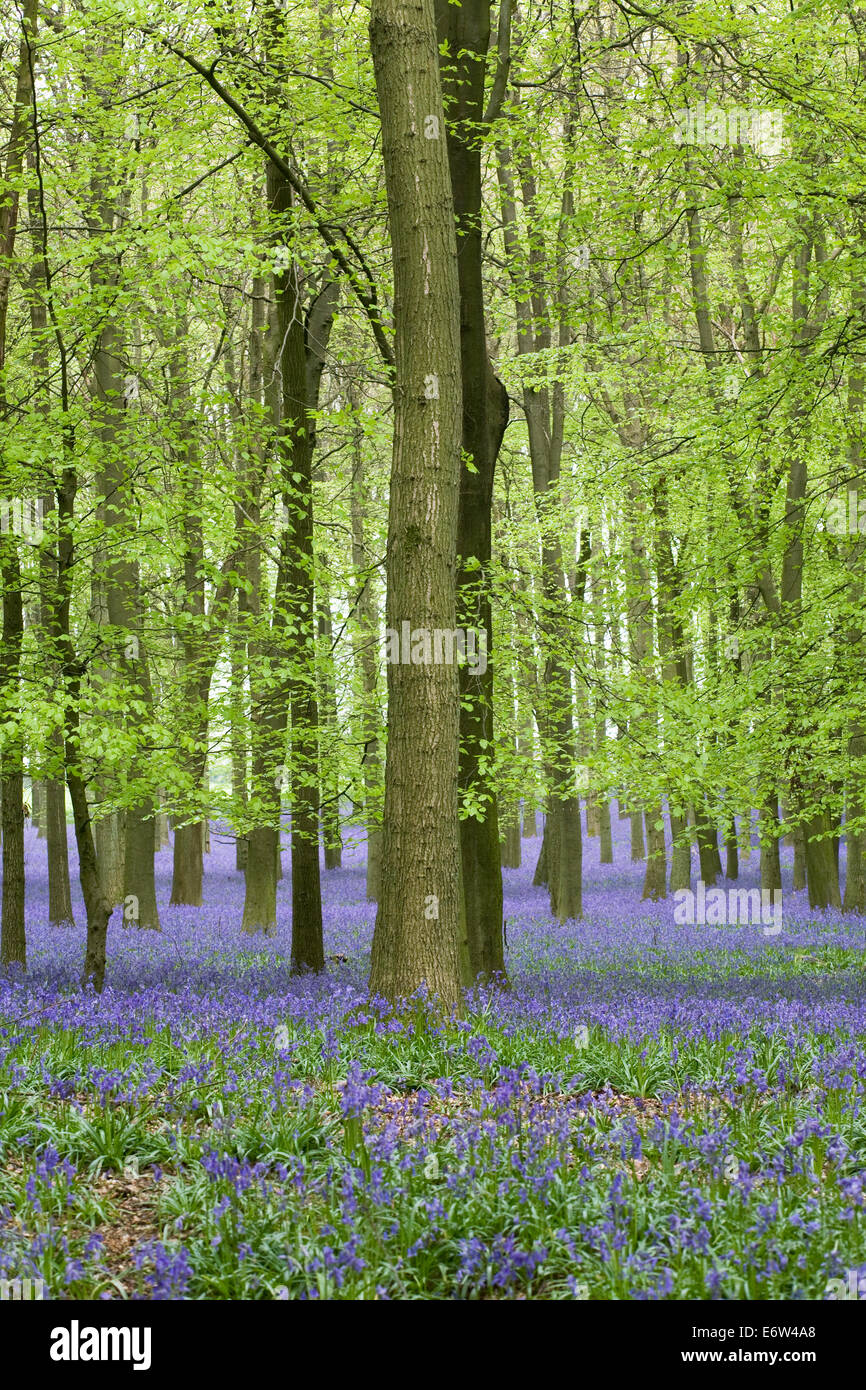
463, 32
418, 924
365, 652
12, 930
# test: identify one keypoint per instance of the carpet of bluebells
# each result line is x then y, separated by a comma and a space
651, 1111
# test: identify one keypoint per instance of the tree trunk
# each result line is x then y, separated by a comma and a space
638, 844
569, 907
418, 923
822, 875
197, 655
771, 864
239, 754
366, 644
604, 830
37, 805
799, 880
681, 853
260, 899
463, 32
12, 933
110, 842
655, 878
12, 938
708, 847
511, 844
139, 883
329, 758
732, 866
539, 878
59, 889
187, 865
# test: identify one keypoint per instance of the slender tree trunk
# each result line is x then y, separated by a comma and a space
854, 899
365, 650
12, 938
329, 758
463, 32
545, 422
732, 866
799, 880
681, 852
540, 878
12, 931
604, 830
37, 804
240, 790
59, 888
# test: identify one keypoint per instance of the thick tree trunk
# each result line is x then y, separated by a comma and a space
511, 844
771, 864
260, 899
569, 907
638, 844
110, 841
708, 847
822, 874
187, 865
418, 923
139, 883
655, 878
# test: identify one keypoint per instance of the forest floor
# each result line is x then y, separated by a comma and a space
650, 1111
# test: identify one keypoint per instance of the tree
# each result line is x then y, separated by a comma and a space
415, 941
